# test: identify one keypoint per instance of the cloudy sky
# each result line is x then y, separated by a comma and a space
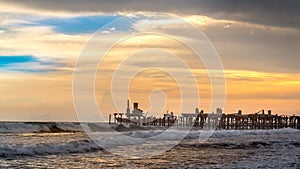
258, 43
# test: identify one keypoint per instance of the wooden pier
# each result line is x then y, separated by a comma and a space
219, 120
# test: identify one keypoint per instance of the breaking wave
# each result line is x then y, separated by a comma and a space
80, 143
214, 134
33, 127
81, 146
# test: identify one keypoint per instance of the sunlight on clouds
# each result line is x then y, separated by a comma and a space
258, 89
248, 90
204, 20
42, 42
143, 42
246, 50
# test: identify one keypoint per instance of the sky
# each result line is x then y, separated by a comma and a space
258, 44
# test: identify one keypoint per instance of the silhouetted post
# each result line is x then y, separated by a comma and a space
250, 121
280, 122
270, 120
227, 122
196, 123
109, 119
115, 117
121, 120
242, 123
202, 119
259, 122
128, 111
139, 120
276, 121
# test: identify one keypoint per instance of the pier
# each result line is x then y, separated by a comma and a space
212, 120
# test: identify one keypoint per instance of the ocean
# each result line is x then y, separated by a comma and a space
65, 145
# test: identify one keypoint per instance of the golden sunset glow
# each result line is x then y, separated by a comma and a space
39, 51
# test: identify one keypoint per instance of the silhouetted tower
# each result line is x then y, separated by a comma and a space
239, 112
137, 112
128, 110
269, 112
136, 106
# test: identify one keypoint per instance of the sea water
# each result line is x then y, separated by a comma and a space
25, 145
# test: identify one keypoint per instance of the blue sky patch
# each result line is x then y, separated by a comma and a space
8, 60
77, 25
83, 24
28, 63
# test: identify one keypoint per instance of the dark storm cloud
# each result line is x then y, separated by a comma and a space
283, 13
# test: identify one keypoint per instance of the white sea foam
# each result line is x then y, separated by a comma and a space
80, 146
194, 134
79, 143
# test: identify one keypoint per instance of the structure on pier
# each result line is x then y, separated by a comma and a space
136, 116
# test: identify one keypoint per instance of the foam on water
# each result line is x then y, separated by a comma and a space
224, 149
194, 134
229, 139
80, 146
